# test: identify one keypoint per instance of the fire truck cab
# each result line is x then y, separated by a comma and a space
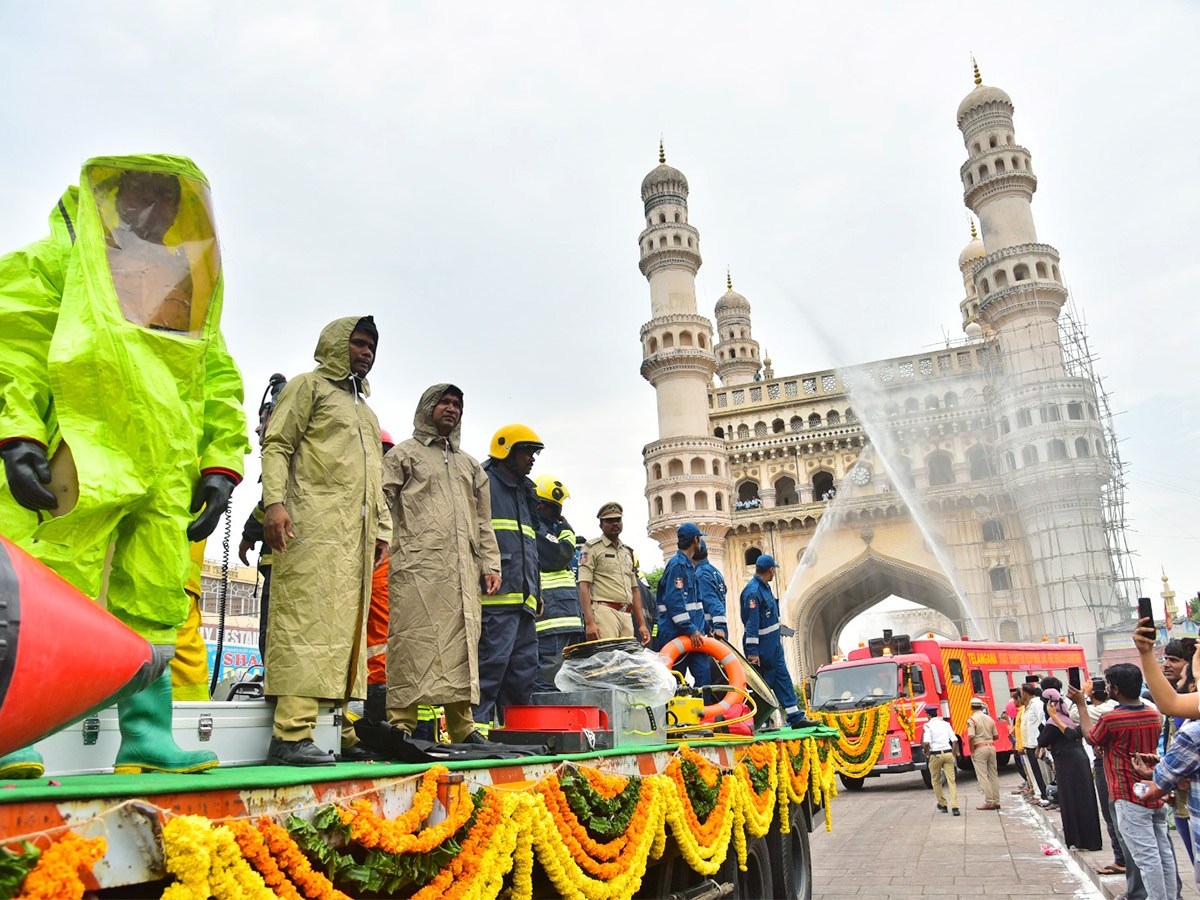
913, 674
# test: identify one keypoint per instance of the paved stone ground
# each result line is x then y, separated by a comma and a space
889, 841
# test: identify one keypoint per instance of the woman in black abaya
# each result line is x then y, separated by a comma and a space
1076, 789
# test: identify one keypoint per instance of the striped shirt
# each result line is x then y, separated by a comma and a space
1120, 734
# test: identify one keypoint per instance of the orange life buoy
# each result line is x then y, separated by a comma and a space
735, 673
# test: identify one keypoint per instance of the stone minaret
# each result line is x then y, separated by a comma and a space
1050, 450
687, 477
969, 307
737, 351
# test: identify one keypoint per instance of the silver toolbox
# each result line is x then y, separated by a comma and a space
238, 732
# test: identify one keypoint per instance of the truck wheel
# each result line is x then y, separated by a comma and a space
756, 882
670, 875
791, 862
927, 778
850, 783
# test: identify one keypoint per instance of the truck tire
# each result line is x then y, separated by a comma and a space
927, 778
850, 783
670, 875
757, 882
791, 861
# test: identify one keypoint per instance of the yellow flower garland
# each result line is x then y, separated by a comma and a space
861, 736
207, 862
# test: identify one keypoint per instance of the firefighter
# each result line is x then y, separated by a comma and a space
116, 391
711, 585
560, 623
508, 645
680, 612
761, 639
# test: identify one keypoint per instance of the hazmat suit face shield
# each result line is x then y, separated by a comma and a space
161, 246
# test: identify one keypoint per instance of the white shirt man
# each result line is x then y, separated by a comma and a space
937, 739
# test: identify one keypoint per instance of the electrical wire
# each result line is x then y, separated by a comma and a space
224, 599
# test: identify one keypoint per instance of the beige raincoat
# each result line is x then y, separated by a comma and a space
322, 460
442, 542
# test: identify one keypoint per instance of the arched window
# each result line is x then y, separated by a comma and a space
891, 409
657, 471
1001, 279
1020, 272
716, 467
698, 467
833, 418
1082, 448
983, 172
931, 402
703, 342
822, 485
903, 471
700, 501
748, 491
720, 503
1075, 410
690, 244
1057, 449
719, 432
993, 530
678, 241
1054, 271
743, 334
760, 429
814, 421
1005, 428
851, 417
1010, 632
662, 241
1016, 163
985, 287
685, 339
975, 148
1029, 455
1010, 461
653, 345
1024, 418
1000, 165
796, 423
951, 400
751, 556
1040, 268
676, 217
658, 506
911, 405
941, 470
992, 140
981, 463
1050, 413
785, 491
743, 432
1000, 578
675, 468
678, 502
743, 349
668, 341
777, 426
662, 218
1100, 448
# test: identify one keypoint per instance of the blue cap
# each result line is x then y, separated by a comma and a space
934, 710
703, 546
766, 561
687, 531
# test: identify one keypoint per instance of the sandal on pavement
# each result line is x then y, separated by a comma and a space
1111, 869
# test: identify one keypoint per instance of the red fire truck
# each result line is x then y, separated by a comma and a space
913, 674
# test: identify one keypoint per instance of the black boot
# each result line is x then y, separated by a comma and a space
297, 753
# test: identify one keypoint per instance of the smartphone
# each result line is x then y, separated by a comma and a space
1145, 610
1073, 677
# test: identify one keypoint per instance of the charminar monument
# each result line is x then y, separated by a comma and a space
980, 480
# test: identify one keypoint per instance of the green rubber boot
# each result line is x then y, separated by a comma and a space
23, 763
147, 744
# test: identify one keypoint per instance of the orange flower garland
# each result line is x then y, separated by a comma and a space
56, 875
556, 802
569, 830
313, 884
254, 847
604, 784
396, 835
452, 880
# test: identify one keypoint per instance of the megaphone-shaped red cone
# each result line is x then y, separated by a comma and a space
61, 655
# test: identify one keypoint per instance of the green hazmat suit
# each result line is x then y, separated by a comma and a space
111, 357
322, 459
442, 542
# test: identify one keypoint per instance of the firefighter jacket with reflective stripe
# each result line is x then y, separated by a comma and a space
712, 596
760, 617
679, 607
560, 594
513, 505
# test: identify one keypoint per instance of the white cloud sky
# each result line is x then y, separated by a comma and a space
468, 173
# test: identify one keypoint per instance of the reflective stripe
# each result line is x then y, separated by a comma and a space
751, 640
561, 579
693, 606
792, 709
428, 713
509, 600
567, 535
513, 525
377, 650
573, 622
770, 629
680, 620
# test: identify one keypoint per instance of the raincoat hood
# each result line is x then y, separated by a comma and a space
424, 429
333, 351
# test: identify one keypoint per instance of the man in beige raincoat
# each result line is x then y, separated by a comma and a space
326, 519
442, 545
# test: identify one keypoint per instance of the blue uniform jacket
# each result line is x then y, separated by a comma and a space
712, 596
760, 617
679, 607
513, 506
560, 594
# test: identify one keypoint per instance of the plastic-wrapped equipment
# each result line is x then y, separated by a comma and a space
639, 673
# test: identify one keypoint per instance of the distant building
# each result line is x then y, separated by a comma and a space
242, 606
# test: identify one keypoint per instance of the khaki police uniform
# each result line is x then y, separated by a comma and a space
983, 734
609, 568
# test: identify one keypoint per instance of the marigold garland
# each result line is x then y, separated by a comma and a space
254, 848
398, 835
56, 875
208, 862
295, 864
861, 735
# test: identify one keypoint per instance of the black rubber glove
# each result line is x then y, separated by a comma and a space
28, 472
212, 493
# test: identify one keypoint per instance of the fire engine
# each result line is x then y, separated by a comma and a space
913, 674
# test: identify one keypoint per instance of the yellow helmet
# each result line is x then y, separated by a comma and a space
511, 435
551, 489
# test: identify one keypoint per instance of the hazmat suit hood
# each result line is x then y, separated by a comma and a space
424, 429
333, 351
